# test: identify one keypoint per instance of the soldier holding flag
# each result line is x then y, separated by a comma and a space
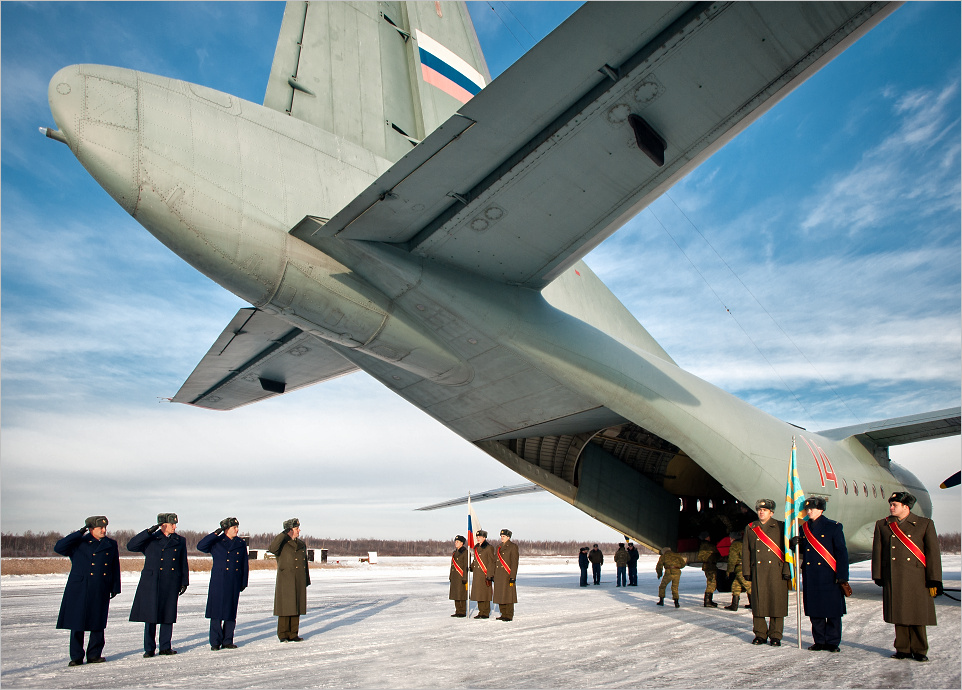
458, 577
482, 584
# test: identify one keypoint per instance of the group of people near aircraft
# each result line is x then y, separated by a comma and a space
906, 564
165, 577
495, 569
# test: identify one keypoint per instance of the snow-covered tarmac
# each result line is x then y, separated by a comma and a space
389, 625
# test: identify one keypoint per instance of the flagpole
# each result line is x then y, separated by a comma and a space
470, 546
798, 588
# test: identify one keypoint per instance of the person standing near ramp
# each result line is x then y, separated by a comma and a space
505, 573
164, 578
672, 564
483, 579
93, 581
228, 578
293, 579
763, 563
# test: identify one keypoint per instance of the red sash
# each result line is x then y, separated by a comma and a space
503, 564
457, 567
909, 544
817, 545
477, 559
767, 541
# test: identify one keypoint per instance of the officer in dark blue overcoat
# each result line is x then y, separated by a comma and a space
228, 578
163, 579
823, 581
93, 581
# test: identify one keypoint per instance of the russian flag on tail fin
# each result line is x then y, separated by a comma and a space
445, 70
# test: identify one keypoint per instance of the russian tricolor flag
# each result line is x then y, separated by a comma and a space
445, 70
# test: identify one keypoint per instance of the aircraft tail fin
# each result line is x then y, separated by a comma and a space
580, 293
382, 75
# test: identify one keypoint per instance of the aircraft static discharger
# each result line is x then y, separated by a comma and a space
388, 209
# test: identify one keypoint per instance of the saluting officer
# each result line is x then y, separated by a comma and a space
763, 563
459, 578
94, 580
228, 578
824, 566
164, 578
505, 573
483, 569
907, 565
293, 579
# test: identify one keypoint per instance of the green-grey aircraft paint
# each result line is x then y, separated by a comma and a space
376, 222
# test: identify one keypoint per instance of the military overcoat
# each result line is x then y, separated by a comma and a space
505, 571
905, 598
293, 575
94, 576
458, 575
165, 572
821, 592
228, 575
769, 595
483, 568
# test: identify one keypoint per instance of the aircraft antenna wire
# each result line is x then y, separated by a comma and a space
513, 35
729, 311
762, 307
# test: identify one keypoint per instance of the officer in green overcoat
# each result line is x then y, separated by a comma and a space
763, 563
482, 582
293, 579
458, 576
907, 565
505, 573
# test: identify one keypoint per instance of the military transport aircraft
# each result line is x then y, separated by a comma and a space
389, 208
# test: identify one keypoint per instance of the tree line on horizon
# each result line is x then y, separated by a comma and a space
38, 544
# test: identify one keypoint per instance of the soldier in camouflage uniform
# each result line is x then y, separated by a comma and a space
708, 555
672, 563
739, 583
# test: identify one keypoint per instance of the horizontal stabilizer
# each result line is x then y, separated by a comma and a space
487, 496
894, 432
256, 357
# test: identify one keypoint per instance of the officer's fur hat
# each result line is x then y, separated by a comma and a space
764, 503
903, 497
166, 518
460, 539
228, 522
96, 521
291, 524
506, 532
817, 502
481, 533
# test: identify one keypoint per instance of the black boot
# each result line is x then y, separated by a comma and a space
711, 601
734, 605
661, 601
676, 604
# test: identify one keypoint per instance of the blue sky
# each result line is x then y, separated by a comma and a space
811, 267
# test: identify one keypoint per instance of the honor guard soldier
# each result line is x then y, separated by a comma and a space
94, 580
597, 559
708, 555
907, 565
672, 564
228, 578
164, 578
763, 563
293, 579
739, 583
459, 578
482, 584
505, 573
824, 567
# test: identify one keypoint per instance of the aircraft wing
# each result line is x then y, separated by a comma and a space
894, 432
514, 490
256, 357
589, 127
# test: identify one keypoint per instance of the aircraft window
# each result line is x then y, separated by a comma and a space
865, 489
681, 504
855, 486
874, 495
698, 505
845, 486
710, 505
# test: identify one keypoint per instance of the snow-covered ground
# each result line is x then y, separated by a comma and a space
389, 625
